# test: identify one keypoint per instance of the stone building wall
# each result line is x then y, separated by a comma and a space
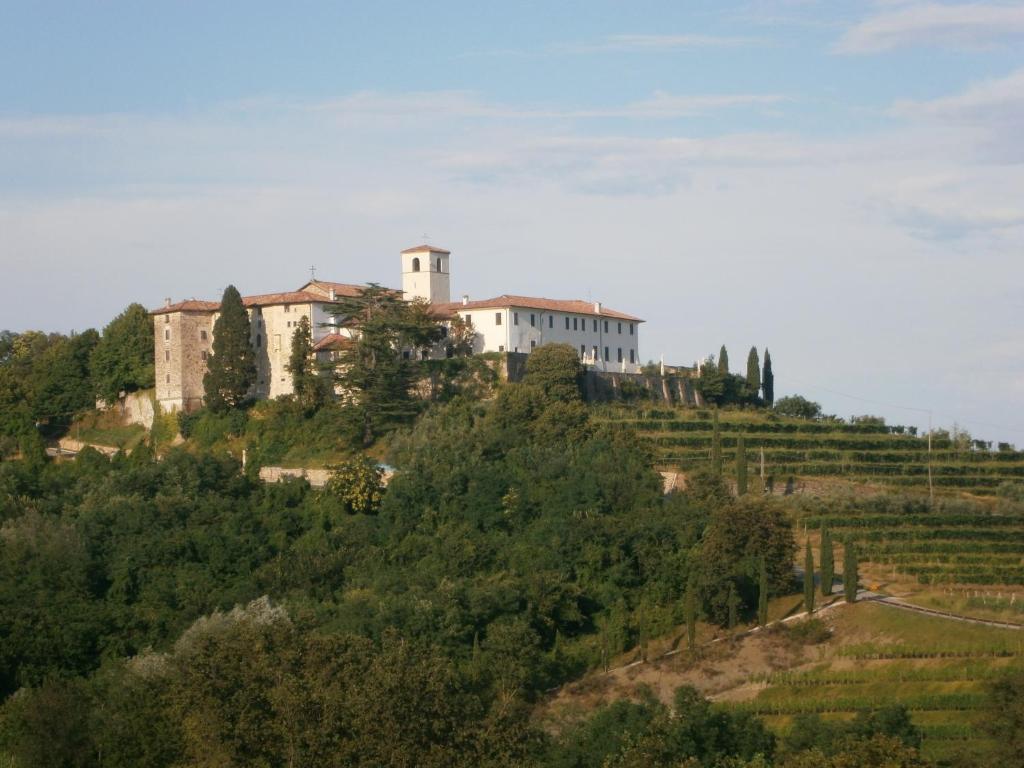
180, 357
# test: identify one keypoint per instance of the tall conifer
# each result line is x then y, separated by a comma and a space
753, 373
762, 593
828, 567
768, 380
716, 447
850, 571
741, 466
231, 369
809, 578
723, 360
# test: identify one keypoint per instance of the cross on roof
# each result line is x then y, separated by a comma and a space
312, 272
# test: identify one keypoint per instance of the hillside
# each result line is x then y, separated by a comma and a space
813, 450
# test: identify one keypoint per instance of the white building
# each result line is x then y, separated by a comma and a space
607, 340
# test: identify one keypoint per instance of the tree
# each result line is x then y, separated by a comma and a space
690, 610
376, 371
827, 562
231, 369
723, 360
1004, 717
753, 373
358, 484
850, 571
555, 369
798, 407
762, 593
307, 384
741, 467
123, 359
768, 380
809, 578
716, 447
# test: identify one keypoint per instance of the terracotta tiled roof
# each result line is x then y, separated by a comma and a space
425, 247
324, 287
289, 297
189, 305
332, 341
568, 306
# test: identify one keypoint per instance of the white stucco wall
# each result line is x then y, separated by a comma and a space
538, 327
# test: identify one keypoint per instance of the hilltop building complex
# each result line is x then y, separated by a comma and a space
607, 340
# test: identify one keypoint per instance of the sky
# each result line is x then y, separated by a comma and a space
840, 182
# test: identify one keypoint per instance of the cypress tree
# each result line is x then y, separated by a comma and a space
753, 373
723, 360
828, 568
762, 593
809, 578
741, 466
850, 571
231, 369
306, 384
733, 601
690, 609
716, 447
768, 380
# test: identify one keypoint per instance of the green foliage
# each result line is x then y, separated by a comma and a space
723, 360
850, 577
356, 486
377, 370
741, 467
1004, 717
310, 389
768, 380
808, 578
798, 407
828, 569
753, 373
716, 449
762, 592
555, 369
231, 369
123, 359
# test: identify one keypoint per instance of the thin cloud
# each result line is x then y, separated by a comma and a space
653, 43
972, 25
1000, 99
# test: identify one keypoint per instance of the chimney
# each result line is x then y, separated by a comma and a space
167, 301
465, 299
597, 307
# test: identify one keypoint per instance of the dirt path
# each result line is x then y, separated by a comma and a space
895, 602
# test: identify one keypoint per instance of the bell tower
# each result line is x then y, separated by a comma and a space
425, 274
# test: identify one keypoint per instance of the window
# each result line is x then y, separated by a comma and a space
167, 319
583, 350
203, 354
444, 331
516, 350
497, 318
501, 348
606, 326
515, 318
533, 320
469, 320
167, 334
575, 323
632, 356
439, 264
202, 335
606, 354
533, 345
551, 321
405, 355
167, 355
287, 307
567, 322
620, 355
416, 264
168, 378
620, 327
259, 341
595, 325
630, 329
593, 353
277, 342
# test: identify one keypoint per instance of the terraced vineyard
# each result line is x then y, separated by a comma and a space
916, 661
875, 453
958, 543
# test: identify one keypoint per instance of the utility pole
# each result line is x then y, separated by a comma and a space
931, 488
762, 470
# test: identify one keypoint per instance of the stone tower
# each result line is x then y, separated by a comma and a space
425, 274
